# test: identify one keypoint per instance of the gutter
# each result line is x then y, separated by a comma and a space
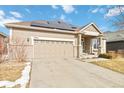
115, 41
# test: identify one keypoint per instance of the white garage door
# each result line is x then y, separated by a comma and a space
49, 49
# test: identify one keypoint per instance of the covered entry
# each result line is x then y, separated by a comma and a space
90, 44
91, 40
52, 47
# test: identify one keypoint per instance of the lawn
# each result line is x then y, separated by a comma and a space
11, 71
113, 64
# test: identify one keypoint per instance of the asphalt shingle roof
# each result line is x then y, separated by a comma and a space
114, 36
55, 25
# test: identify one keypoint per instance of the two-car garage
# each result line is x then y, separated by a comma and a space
53, 47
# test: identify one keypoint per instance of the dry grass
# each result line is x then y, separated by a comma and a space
11, 71
114, 64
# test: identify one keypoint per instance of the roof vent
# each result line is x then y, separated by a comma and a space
59, 22
74, 27
48, 22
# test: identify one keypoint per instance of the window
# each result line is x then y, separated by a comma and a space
95, 43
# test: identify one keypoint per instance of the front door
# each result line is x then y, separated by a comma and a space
82, 44
94, 45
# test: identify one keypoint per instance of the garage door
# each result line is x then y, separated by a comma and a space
49, 49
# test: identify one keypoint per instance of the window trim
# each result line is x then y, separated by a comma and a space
95, 41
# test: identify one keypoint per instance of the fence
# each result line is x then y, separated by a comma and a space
116, 54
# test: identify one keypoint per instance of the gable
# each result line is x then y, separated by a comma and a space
91, 29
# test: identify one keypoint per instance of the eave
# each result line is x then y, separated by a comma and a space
40, 29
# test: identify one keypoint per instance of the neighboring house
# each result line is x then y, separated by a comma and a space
3, 43
115, 40
58, 39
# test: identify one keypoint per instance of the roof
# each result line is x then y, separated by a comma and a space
61, 25
3, 34
54, 26
114, 36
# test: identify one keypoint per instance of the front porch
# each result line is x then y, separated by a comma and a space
91, 42
90, 46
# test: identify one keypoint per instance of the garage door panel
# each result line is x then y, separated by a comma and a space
47, 49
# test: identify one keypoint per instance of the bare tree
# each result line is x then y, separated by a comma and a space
118, 20
18, 50
3, 56
3, 50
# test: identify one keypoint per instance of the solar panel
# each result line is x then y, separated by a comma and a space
55, 25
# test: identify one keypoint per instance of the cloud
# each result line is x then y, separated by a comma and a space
76, 12
2, 13
104, 28
54, 6
114, 11
95, 10
68, 8
8, 20
102, 10
63, 17
27, 10
16, 14
5, 19
55, 16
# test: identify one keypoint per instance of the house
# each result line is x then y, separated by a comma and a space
115, 40
58, 39
3, 43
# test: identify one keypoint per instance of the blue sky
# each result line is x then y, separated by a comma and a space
77, 15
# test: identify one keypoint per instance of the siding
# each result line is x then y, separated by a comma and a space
26, 35
91, 28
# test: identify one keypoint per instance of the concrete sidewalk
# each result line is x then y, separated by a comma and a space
71, 73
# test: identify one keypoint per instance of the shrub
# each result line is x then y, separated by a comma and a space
18, 50
105, 56
3, 56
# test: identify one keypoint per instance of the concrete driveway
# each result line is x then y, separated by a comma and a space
69, 73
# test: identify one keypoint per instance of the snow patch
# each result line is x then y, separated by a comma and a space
23, 80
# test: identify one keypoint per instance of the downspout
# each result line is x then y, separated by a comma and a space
10, 42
